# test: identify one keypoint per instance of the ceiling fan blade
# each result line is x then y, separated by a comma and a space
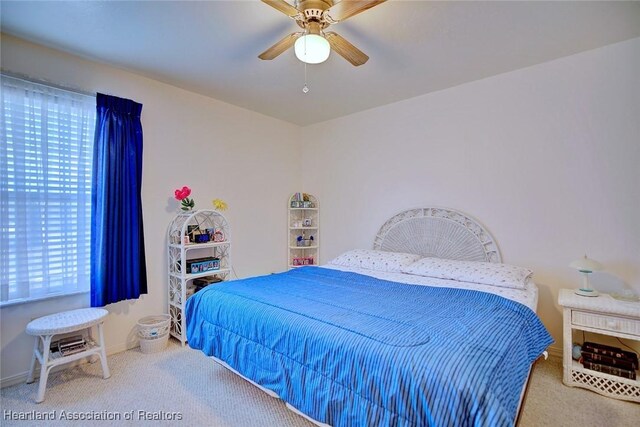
283, 7
347, 8
280, 47
346, 49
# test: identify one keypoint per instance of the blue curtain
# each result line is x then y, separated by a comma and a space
118, 268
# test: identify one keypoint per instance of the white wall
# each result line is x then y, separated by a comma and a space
547, 158
219, 150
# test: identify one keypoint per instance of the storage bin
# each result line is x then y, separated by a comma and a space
154, 332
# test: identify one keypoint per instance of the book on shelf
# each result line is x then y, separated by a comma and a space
619, 372
67, 342
606, 350
609, 360
65, 351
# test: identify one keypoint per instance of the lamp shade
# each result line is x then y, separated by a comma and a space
312, 49
586, 265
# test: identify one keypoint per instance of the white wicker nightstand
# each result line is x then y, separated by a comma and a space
603, 315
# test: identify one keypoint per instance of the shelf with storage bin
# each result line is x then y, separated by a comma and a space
303, 223
606, 316
191, 276
189, 246
180, 249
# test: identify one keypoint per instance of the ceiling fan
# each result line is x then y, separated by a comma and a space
314, 16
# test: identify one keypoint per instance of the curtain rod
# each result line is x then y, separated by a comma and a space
30, 79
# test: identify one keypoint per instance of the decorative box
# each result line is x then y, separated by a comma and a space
297, 261
200, 265
201, 238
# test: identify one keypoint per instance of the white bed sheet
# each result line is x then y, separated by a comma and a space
527, 296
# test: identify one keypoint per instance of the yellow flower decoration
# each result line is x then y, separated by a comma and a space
219, 204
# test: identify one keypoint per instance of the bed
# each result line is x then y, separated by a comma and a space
397, 335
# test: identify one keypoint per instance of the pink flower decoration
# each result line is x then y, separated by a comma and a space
182, 193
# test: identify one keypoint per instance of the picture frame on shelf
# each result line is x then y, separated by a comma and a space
192, 230
218, 236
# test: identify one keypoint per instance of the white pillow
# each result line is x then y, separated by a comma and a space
375, 260
485, 273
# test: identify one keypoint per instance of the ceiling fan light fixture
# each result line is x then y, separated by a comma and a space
312, 49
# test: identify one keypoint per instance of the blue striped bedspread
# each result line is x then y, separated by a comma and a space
351, 350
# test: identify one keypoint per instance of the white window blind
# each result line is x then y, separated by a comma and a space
45, 190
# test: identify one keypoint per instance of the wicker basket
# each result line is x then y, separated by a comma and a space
154, 332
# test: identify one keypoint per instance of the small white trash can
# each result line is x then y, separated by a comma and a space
154, 332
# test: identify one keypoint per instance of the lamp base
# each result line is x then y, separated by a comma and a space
587, 292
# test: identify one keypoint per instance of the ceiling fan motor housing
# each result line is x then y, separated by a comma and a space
321, 5
312, 11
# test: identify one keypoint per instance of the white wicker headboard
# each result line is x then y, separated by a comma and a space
437, 232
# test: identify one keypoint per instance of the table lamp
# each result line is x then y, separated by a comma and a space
586, 266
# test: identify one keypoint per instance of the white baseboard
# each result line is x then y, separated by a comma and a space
14, 379
22, 376
555, 352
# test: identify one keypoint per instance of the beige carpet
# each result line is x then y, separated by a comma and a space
550, 403
183, 383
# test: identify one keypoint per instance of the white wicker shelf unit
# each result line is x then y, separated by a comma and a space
180, 250
603, 315
304, 223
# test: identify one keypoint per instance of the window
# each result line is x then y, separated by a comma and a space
46, 150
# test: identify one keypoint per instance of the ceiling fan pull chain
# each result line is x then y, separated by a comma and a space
305, 88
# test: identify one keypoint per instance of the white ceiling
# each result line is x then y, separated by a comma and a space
415, 47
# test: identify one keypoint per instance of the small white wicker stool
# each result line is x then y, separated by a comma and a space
44, 328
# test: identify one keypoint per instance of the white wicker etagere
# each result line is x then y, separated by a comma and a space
303, 221
179, 251
603, 315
